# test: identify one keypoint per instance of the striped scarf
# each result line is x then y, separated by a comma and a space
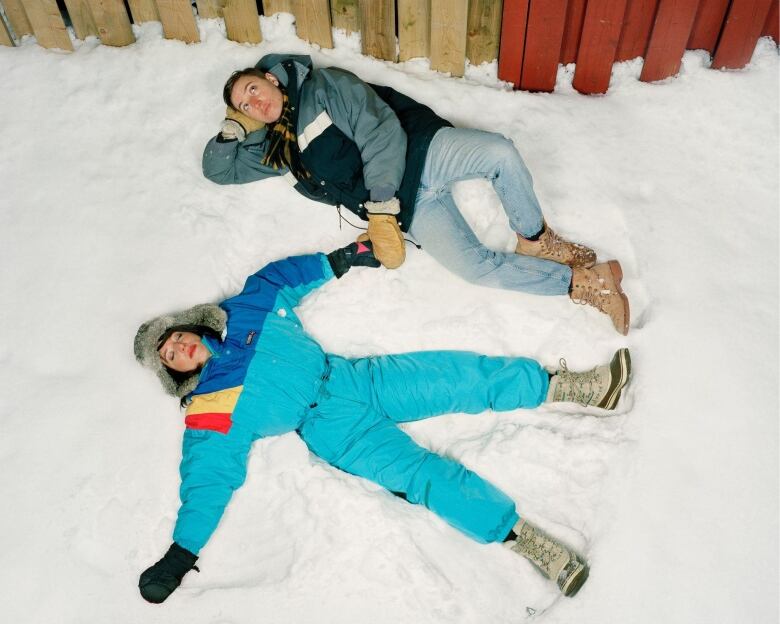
282, 142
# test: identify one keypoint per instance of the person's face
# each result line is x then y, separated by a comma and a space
183, 352
258, 98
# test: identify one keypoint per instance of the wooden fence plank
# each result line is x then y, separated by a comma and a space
598, 45
378, 22
741, 31
211, 9
707, 25
277, 6
772, 25
510, 53
177, 19
414, 29
544, 36
575, 15
671, 31
312, 21
242, 23
81, 18
637, 26
47, 24
5, 34
113, 24
143, 11
17, 18
345, 15
449, 21
484, 28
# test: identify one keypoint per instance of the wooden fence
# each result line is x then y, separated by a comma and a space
528, 37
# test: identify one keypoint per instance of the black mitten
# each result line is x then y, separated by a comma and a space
159, 581
359, 253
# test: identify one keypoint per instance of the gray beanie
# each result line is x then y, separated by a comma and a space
148, 336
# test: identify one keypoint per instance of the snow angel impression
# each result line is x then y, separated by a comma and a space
246, 369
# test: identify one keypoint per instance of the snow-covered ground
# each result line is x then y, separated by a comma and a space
106, 221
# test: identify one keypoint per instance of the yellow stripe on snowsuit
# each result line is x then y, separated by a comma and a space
213, 410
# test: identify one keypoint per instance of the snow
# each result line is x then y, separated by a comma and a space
107, 221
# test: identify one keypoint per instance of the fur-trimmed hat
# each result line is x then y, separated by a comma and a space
148, 336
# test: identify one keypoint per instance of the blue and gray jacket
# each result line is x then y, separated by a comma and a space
357, 141
259, 381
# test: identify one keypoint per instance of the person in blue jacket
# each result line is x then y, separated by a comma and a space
393, 162
246, 369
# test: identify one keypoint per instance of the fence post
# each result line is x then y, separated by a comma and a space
378, 33
346, 15
414, 29
637, 26
17, 18
242, 23
81, 18
113, 24
707, 25
277, 6
575, 16
210, 9
772, 25
312, 21
177, 19
47, 24
449, 20
544, 36
598, 44
512, 46
741, 31
143, 11
671, 31
5, 35
484, 28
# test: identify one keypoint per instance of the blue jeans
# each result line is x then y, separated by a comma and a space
457, 154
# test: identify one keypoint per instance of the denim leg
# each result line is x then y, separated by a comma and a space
438, 225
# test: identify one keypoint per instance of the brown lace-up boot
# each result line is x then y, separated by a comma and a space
552, 558
550, 246
600, 288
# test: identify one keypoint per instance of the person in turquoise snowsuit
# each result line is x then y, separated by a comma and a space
246, 369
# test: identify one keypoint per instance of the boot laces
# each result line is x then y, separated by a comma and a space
579, 388
554, 245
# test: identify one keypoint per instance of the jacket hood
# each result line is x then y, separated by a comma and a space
145, 345
272, 63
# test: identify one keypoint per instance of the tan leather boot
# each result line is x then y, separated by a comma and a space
600, 288
552, 558
550, 246
600, 386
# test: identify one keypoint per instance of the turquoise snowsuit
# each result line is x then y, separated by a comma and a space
268, 377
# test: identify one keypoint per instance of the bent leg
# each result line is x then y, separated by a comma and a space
412, 386
440, 228
386, 455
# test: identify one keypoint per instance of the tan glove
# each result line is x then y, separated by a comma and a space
386, 236
247, 124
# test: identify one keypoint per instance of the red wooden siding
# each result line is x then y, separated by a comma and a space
510, 55
772, 24
671, 31
544, 34
598, 44
575, 15
637, 25
743, 27
707, 25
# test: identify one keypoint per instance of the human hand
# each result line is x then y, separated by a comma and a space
359, 253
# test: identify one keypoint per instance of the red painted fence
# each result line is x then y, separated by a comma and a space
537, 34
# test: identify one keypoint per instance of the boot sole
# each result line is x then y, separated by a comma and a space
617, 275
576, 580
620, 371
